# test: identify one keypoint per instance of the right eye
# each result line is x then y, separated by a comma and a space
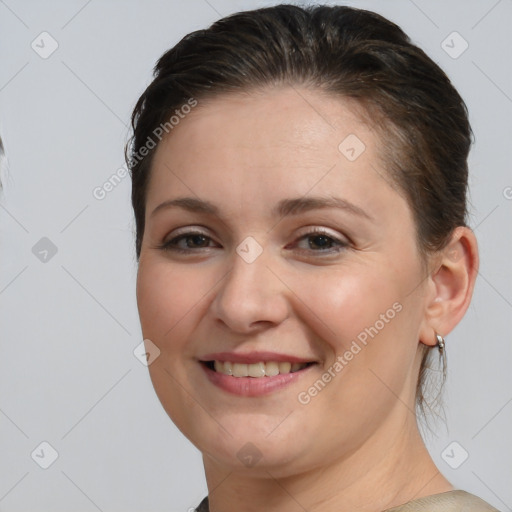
188, 242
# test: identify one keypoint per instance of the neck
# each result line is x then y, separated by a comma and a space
389, 469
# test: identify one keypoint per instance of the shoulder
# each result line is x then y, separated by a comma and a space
451, 501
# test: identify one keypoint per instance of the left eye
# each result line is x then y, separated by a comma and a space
320, 242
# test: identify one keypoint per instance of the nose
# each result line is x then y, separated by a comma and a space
251, 297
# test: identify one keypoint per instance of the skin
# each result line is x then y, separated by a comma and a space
356, 444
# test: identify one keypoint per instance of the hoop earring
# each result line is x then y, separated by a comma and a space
440, 342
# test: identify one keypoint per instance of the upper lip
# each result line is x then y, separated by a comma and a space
254, 357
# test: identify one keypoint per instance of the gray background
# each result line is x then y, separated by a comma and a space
69, 324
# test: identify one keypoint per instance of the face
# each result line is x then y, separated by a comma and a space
279, 278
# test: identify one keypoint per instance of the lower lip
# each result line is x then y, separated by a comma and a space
253, 386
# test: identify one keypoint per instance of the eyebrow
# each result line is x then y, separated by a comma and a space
285, 207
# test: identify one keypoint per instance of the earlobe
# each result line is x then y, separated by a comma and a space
453, 281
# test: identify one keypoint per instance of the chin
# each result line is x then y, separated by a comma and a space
255, 457
248, 445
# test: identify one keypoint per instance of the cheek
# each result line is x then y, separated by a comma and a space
167, 296
368, 325
342, 304
169, 299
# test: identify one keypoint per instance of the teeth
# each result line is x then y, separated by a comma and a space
240, 370
271, 369
228, 368
257, 370
285, 367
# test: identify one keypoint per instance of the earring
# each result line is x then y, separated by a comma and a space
440, 342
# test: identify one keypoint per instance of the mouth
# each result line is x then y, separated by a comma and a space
253, 375
257, 370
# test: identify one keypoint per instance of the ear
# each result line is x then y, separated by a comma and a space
451, 283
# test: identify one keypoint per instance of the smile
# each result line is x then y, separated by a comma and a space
254, 378
256, 370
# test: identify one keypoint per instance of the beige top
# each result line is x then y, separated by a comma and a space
450, 501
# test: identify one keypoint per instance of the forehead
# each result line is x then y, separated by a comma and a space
274, 121
277, 142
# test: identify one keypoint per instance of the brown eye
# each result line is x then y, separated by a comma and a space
188, 242
320, 242
194, 241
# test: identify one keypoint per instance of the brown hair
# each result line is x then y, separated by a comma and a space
348, 52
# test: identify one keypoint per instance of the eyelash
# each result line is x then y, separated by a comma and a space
317, 232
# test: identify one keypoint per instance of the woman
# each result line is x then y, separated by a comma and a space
299, 188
